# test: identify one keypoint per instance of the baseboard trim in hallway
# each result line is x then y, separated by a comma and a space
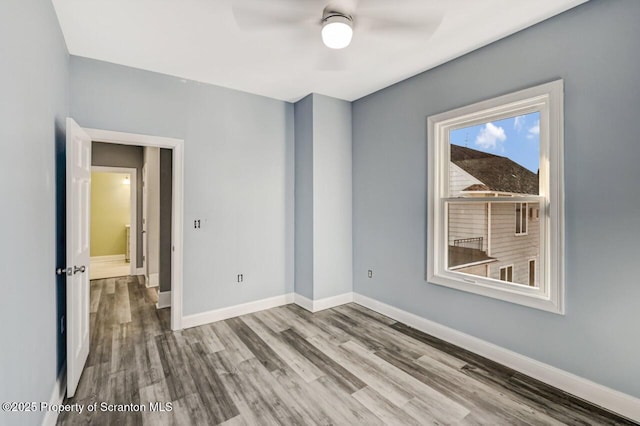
164, 299
154, 280
109, 258
605, 397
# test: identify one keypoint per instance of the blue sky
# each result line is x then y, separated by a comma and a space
517, 138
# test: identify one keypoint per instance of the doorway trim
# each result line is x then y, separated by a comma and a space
177, 209
133, 220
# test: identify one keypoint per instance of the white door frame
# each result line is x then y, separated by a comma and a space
177, 210
145, 224
133, 220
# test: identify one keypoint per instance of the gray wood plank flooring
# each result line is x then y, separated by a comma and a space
286, 366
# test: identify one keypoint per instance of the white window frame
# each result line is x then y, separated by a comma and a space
548, 100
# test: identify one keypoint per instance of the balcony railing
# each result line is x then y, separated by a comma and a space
472, 243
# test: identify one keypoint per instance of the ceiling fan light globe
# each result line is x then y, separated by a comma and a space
337, 32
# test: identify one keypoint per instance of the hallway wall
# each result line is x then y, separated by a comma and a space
114, 155
110, 212
166, 199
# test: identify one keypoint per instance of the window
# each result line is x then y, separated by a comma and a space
495, 166
506, 273
532, 273
534, 213
521, 218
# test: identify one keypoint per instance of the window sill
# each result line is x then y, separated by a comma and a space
519, 294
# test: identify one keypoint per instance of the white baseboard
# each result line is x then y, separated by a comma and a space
610, 399
154, 280
140, 271
322, 304
332, 302
303, 302
57, 396
164, 299
110, 258
237, 310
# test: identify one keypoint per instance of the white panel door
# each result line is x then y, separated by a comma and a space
78, 233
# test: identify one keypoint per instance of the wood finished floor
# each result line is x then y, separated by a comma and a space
343, 366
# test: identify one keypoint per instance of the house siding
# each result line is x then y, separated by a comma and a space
477, 270
459, 180
468, 220
512, 249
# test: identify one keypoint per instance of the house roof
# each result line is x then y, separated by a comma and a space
459, 256
499, 174
477, 187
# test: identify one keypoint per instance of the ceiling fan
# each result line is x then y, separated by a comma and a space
336, 21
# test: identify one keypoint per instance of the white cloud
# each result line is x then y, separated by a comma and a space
534, 131
518, 122
490, 135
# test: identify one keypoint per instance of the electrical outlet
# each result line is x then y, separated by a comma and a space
199, 223
370, 273
240, 278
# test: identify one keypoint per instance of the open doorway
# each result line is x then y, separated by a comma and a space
131, 210
113, 222
123, 300
156, 256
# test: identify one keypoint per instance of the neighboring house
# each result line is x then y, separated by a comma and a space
499, 240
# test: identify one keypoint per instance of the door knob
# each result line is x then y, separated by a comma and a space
80, 269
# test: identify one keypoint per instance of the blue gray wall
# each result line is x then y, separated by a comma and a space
236, 140
594, 48
238, 173
33, 107
323, 198
304, 197
332, 197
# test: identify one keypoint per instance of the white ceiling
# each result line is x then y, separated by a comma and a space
202, 40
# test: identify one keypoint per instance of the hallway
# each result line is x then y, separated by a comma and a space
124, 320
110, 269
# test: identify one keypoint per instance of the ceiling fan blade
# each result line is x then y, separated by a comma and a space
253, 15
385, 6
388, 26
348, 7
